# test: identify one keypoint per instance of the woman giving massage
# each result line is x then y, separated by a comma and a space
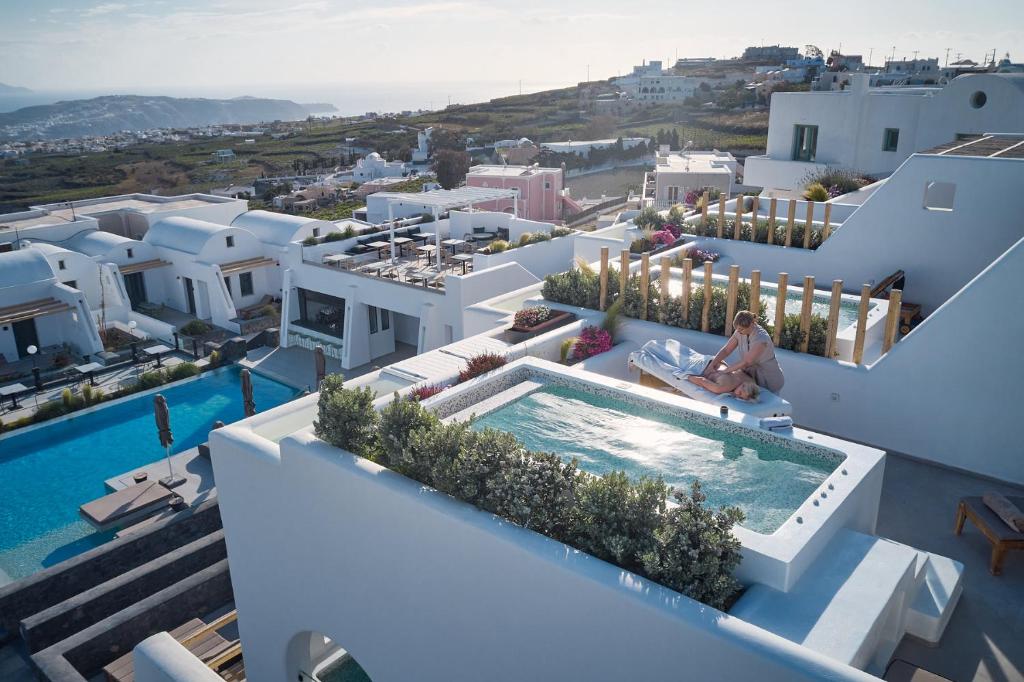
757, 366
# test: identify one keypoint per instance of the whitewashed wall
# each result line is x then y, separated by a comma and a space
541, 258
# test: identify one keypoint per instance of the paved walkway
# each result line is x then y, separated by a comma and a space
296, 366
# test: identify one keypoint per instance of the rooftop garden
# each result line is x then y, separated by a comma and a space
526, 238
677, 224
684, 546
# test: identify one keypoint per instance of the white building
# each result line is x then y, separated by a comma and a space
677, 173
584, 147
650, 84
873, 130
373, 166
422, 151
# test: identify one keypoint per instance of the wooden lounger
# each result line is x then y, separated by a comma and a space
1003, 539
126, 505
206, 646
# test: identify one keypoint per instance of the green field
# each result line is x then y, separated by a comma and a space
188, 167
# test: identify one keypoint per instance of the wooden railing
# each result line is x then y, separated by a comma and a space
739, 214
782, 287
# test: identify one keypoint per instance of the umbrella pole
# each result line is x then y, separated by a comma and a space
171, 480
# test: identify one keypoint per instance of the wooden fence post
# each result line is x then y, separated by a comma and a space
704, 207
706, 311
687, 284
892, 320
645, 281
790, 221
780, 306
753, 220
721, 215
755, 292
623, 273
738, 216
826, 231
730, 299
833, 318
809, 225
805, 312
773, 207
862, 323
665, 273
604, 278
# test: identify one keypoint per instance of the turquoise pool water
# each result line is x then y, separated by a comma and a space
346, 671
767, 482
46, 474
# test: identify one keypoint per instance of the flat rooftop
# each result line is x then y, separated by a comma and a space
446, 199
139, 203
992, 145
694, 162
509, 171
28, 219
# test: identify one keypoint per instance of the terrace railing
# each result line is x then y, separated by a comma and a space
741, 219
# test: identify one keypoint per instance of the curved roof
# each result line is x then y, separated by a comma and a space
49, 249
274, 228
182, 234
96, 242
24, 266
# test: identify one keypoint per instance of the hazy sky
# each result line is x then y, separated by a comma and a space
90, 44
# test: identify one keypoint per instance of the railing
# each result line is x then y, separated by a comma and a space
310, 339
772, 222
782, 285
437, 288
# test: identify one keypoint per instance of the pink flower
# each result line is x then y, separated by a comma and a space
592, 341
663, 238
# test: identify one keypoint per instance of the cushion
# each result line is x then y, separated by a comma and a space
992, 522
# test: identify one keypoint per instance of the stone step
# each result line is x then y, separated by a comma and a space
937, 597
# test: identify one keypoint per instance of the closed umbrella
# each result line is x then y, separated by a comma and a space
321, 366
163, 430
248, 400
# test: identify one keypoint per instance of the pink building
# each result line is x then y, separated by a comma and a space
540, 190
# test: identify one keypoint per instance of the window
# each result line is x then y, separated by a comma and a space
890, 139
61, 265
72, 283
547, 184
938, 196
4, 248
227, 283
316, 231
373, 318
131, 253
230, 241
805, 142
978, 99
673, 194
245, 284
385, 319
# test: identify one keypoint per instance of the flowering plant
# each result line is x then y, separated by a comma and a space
702, 256
592, 341
531, 317
663, 237
834, 191
691, 197
423, 392
674, 228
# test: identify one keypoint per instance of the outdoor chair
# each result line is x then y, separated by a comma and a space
1002, 538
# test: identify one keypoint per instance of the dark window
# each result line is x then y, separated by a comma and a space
4, 248
130, 254
245, 284
978, 99
61, 266
72, 283
316, 231
891, 139
385, 319
230, 241
805, 142
373, 319
227, 283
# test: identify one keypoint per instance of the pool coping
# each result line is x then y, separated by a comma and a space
847, 497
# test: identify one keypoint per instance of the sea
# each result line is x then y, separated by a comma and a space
349, 99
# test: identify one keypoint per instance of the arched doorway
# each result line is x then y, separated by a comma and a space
314, 657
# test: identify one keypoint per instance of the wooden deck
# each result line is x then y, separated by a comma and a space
126, 505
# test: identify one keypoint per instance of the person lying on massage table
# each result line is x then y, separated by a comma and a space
738, 383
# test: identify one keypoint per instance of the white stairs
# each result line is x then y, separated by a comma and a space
858, 599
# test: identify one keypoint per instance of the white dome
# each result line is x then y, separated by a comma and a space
24, 266
373, 155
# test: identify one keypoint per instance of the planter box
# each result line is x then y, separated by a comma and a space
558, 318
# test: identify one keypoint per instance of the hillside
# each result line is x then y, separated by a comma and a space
6, 89
113, 113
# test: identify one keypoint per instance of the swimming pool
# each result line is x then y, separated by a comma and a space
767, 481
48, 472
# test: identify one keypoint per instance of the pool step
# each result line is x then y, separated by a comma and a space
941, 584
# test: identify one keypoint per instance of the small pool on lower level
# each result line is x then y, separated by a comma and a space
48, 472
767, 481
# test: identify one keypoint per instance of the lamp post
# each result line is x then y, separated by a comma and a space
32, 350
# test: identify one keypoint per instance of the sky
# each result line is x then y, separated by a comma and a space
179, 45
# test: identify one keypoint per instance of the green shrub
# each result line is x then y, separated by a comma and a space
67, 397
334, 237
87, 396
580, 286
560, 232
566, 348
346, 417
401, 422
152, 379
194, 328
791, 336
214, 359
426, 218
310, 241
481, 364
498, 245
816, 192
649, 219
525, 238
49, 410
348, 233
182, 370
618, 519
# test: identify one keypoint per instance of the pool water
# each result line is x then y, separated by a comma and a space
47, 473
768, 482
819, 306
345, 671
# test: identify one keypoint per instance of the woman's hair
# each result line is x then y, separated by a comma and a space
751, 389
744, 318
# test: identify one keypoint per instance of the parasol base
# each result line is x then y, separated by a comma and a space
172, 481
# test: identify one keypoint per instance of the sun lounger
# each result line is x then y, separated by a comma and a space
669, 362
205, 646
1000, 535
126, 505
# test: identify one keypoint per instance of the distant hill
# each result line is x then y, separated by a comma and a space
114, 113
6, 89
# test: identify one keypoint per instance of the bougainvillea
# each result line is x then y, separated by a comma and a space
424, 392
702, 256
531, 317
592, 341
663, 238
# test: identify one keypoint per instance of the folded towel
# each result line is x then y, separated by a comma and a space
776, 423
1006, 510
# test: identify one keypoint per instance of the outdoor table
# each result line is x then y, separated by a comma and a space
454, 243
483, 236
401, 243
88, 369
157, 350
380, 246
427, 250
463, 258
337, 259
424, 236
13, 390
